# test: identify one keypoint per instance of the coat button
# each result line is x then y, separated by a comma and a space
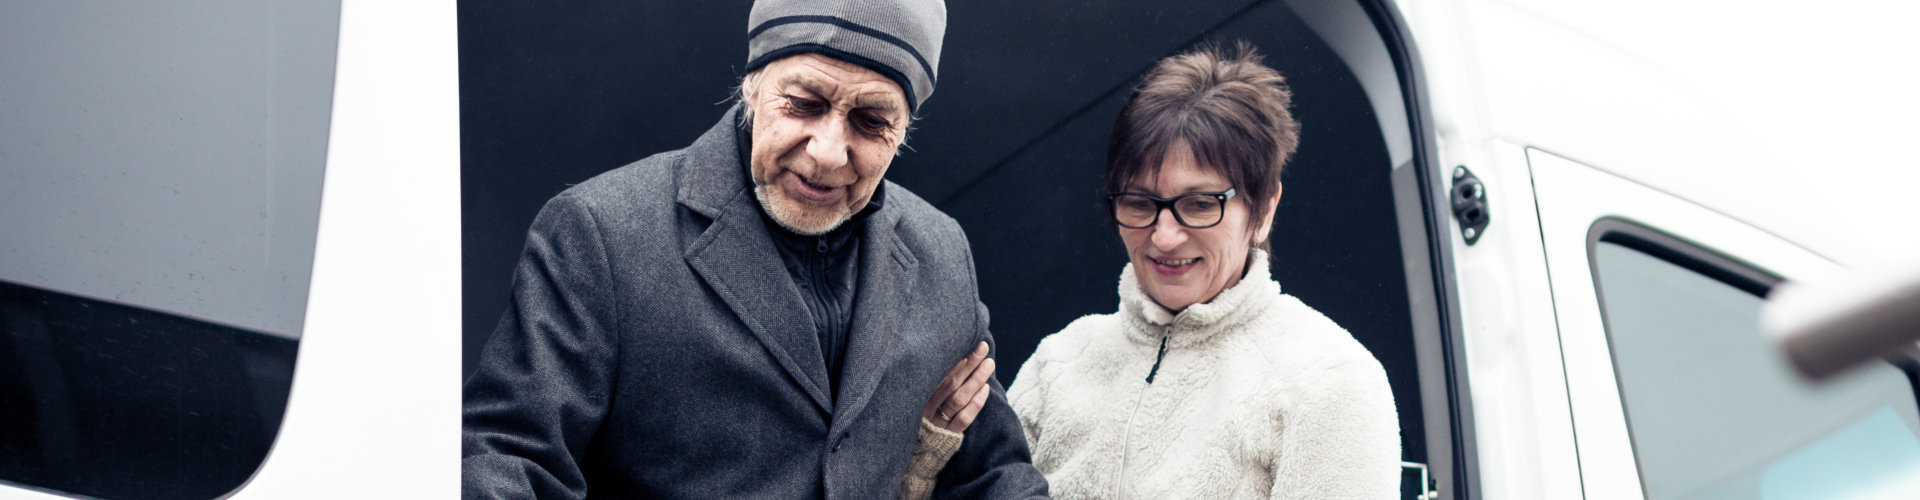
841, 441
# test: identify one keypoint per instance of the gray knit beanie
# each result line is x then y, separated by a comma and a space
897, 38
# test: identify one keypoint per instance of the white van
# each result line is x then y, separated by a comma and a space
240, 246
1652, 172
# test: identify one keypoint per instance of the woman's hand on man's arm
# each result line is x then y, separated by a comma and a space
960, 396
955, 402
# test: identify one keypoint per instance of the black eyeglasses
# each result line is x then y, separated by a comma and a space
1194, 210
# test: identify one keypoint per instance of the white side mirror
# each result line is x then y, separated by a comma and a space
1826, 327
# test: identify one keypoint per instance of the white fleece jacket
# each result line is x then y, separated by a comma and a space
1257, 396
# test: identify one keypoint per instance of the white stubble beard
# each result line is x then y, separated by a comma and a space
782, 216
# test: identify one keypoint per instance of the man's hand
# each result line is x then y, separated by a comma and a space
961, 395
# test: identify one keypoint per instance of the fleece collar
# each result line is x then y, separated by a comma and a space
1147, 322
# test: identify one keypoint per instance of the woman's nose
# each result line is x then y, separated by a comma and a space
1167, 231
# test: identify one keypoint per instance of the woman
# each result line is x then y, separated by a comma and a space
1208, 382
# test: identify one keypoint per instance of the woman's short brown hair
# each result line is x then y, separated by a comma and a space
1231, 110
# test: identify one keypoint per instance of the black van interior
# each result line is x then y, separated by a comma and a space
1011, 144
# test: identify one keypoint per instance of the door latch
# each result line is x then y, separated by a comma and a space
1469, 204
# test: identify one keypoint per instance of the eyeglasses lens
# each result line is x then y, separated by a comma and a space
1197, 210
1134, 211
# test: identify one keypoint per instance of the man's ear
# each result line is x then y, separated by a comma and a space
1266, 223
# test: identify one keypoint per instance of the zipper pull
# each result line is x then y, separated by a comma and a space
1157, 358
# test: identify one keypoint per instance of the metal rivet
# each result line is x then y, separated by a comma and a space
1469, 233
1460, 171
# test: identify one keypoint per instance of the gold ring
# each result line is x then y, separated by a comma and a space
944, 416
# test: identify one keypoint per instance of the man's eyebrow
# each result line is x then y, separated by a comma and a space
878, 102
882, 102
803, 82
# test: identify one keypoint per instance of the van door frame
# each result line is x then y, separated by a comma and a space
1423, 216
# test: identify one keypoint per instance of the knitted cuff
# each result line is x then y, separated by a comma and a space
936, 446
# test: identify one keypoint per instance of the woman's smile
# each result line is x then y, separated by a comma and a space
1173, 267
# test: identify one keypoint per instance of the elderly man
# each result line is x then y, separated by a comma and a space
759, 315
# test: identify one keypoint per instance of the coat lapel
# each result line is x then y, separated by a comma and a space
886, 276
735, 256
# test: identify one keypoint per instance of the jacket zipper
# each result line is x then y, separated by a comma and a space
1126, 442
1157, 358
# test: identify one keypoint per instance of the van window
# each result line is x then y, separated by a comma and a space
160, 169
1715, 412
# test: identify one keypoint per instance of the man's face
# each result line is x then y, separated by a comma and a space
824, 132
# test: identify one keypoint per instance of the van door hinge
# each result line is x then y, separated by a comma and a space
1469, 204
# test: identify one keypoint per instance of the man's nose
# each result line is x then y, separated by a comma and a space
1167, 231
829, 144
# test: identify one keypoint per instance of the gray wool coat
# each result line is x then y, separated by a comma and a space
656, 348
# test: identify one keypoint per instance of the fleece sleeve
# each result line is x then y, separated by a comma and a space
1340, 440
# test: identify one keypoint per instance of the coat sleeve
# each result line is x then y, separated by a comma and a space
993, 462
544, 377
1341, 439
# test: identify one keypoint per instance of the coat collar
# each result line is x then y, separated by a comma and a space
736, 256
714, 174
877, 337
